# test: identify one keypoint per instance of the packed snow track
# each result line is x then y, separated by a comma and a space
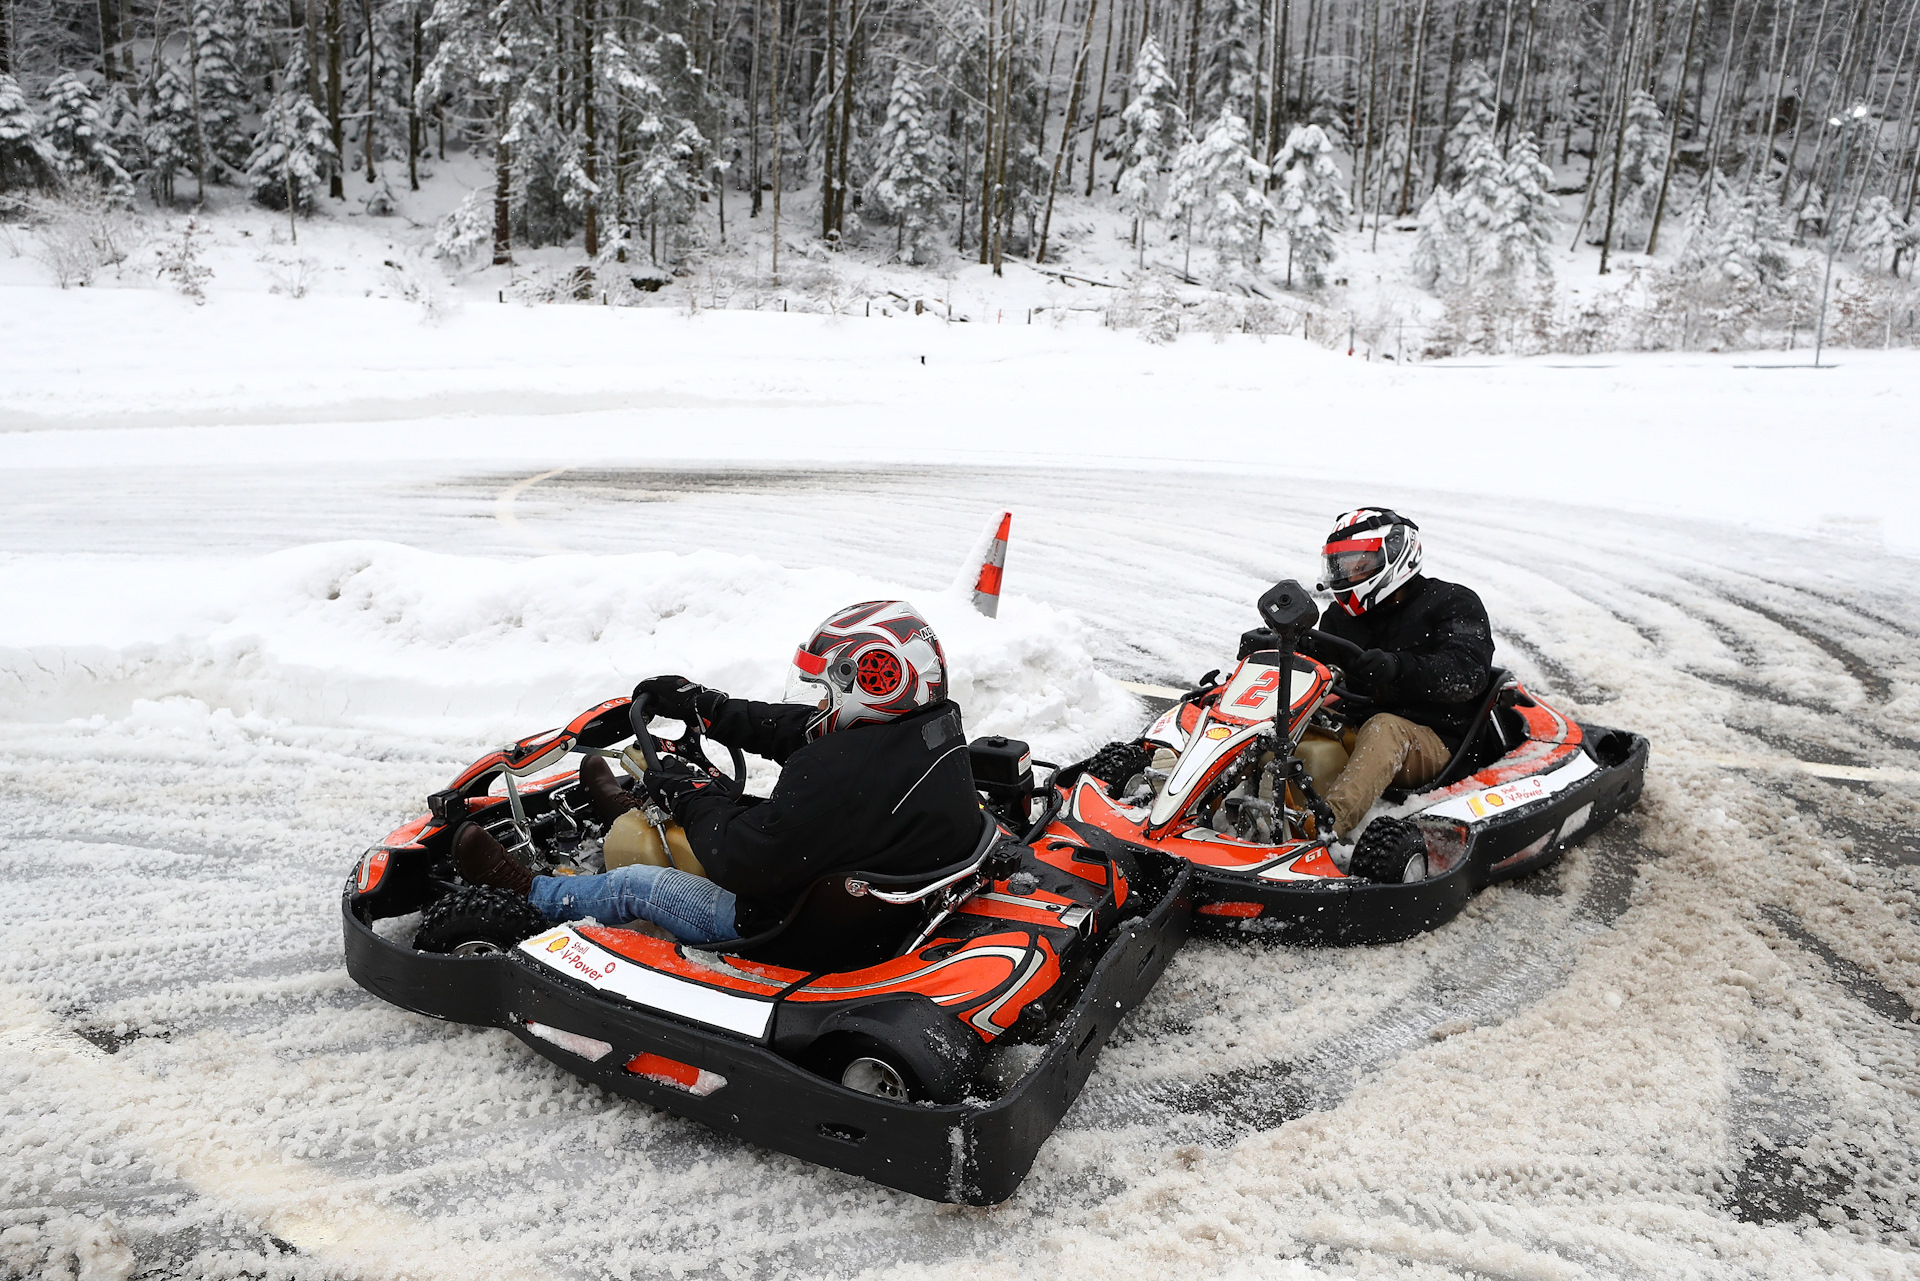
1688, 1049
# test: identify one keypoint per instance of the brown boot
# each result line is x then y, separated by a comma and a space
484, 861
605, 797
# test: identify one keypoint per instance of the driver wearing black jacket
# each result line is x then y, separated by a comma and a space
1426, 661
874, 777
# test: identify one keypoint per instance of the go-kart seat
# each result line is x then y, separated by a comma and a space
848, 920
1488, 737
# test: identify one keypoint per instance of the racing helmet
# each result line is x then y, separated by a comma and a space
874, 661
1369, 555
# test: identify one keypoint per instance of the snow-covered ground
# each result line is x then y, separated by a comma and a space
275, 568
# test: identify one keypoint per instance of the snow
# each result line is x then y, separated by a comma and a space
283, 565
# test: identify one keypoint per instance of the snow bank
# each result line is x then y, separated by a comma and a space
378, 635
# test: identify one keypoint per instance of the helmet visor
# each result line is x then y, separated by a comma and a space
1348, 565
806, 678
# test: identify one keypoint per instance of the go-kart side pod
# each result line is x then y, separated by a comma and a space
975, 1151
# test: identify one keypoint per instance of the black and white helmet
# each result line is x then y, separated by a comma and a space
874, 661
1371, 553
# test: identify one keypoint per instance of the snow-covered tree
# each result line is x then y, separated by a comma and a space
1477, 122
1313, 202
1524, 216
214, 79
909, 164
77, 136
1643, 161
1155, 130
1219, 185
170, 139
291, 149
1227, 70
25, 159
1883, 233
1747, 240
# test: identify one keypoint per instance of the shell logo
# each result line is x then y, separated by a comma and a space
558, 945
1219, 731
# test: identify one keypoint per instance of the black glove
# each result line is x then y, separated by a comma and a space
674, 782
679, 699
1377, 670
1256, 640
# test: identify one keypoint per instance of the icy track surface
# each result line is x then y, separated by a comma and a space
233, 654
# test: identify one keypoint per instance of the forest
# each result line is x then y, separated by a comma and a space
1743, 134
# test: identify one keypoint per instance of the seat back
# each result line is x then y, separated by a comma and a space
839, 923
1466, 757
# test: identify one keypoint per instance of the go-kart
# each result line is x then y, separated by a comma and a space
900, 1068
1225, 780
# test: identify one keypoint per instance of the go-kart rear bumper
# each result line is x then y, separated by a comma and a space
974, 1152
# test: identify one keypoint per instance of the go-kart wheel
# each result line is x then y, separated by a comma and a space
863, 1064
476, 921
1117, 765
1391, 851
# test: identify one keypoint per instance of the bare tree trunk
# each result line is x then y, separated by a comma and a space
1778, 74
109, 35
413, 104
1500, 80
1099, 104
1277, 108
827, 149
1673, 133
1053, 57
336, 105
1880, 116
588, 83
502, 185
1446, 104
773, 88
753, 111
1526, 78
1720, 96
1066, 131
1620, 136
987, 135
1193, 62
366, 130
1417, 62
1002, 213
6, 38
1366, 129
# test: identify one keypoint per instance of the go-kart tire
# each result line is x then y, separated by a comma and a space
1391, 851
1118, 764
862, 1063
476, 921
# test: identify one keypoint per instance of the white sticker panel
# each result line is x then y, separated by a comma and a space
563, 950
1478, 807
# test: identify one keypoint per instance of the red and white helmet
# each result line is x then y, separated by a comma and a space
1369, 555
874, 661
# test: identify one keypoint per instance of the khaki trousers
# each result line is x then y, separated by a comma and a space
1390, 750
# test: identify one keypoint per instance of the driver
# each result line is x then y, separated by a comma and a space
1428, 655
874, 776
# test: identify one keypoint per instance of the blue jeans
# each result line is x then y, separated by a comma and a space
691, 908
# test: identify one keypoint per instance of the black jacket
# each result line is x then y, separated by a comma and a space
1440, 634
891, 797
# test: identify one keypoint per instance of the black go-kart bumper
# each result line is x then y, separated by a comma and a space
975, 1152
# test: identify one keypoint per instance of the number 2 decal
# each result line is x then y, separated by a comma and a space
1260, 690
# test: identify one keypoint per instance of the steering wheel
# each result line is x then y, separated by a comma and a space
691, 746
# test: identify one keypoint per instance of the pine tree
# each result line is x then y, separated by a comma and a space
1525, 211
25, 159
214, 76
170, 139
291, 149
909, 163
1313, 203
1155, 130
1218, 183
1467, 228
1477, 121
1226, 73
1643, 160
76, 135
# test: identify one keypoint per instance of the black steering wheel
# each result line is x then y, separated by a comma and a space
690, 746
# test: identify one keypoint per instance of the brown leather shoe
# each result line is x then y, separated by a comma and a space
605, 797
485, 861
